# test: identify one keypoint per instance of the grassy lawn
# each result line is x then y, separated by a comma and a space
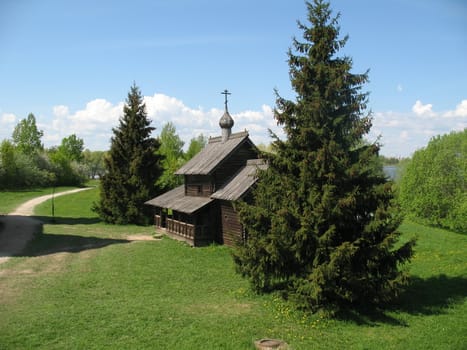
10, 200
83, 285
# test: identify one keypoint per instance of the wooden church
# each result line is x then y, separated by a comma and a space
202, 211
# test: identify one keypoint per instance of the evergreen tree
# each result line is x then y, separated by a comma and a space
132, 166
323, 223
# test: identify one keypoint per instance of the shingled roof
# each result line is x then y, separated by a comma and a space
234, 189
241, 182
177, 200
211, 156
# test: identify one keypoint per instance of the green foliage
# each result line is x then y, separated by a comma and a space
11, 199
20, 170
195, 146
114, 294
323, 223
25, 164
66, 162
266, 148
433, 189
72, 148
66, 172
172, 157
7, 164
94, 161
391, 160
171, 150
26, 136
132, 166
21, 160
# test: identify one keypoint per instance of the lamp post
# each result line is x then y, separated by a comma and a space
53, 203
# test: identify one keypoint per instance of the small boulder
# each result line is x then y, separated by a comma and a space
271, 344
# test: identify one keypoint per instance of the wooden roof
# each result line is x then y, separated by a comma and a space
241, 182
234, 189
177, 200
211, 156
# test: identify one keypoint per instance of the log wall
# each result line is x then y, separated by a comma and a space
231, 227
199, 185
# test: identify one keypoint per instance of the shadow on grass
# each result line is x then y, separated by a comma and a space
45, 244
424, 296
67, 220
431, 296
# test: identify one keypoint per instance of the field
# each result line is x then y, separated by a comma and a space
85, 285
9, 200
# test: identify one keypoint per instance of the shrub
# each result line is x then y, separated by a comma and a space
433, 188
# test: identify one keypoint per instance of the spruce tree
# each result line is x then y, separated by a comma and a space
322, 225
132, 166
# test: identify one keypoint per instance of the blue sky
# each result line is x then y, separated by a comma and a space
71, 63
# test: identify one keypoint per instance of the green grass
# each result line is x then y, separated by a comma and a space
82, 285
10, 200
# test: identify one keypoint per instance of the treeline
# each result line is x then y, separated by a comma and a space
26, 163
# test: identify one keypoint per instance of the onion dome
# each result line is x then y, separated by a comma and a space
226, 121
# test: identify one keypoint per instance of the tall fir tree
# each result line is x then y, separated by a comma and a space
323, 222
132, 166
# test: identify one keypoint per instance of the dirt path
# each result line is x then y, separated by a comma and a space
19, 228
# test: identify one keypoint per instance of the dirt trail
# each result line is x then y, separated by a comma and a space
19, 228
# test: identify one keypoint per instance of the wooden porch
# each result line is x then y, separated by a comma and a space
194, 235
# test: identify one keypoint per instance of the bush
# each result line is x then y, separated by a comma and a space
18, 170
433, 188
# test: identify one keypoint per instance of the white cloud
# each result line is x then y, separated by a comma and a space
460, 111
403, 133
95, 121
190, 122
423, 110
8, 118
98, 111
7, 121
60, 111
399, 88
460, 126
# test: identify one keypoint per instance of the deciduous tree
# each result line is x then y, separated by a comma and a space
171, 149
72, 148
195, 146
94, 161
27, 137
433, 188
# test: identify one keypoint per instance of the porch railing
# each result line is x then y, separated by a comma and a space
157, 221
181, 228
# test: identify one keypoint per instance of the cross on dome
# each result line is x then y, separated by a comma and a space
226, 122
